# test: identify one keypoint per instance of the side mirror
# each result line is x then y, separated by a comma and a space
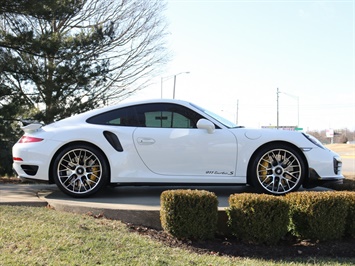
205, 124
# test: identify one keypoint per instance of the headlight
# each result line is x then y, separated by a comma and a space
314, 140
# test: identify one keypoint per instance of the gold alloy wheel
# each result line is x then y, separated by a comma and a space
79, 171
279, 171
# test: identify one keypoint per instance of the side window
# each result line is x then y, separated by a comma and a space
166, 119
120, 117
162, 115
167, 115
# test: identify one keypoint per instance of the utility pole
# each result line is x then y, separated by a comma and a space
298, 106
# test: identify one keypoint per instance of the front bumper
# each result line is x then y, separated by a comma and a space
327, 170
313, 181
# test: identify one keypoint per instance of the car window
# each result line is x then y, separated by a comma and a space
162, 115
167, 120
220, 119
166, 115
119, 117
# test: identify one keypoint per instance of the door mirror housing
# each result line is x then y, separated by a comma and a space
206, 124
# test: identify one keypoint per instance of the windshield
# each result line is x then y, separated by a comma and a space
220, 119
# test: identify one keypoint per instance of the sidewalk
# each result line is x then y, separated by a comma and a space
24, 194
112, 203
138, 205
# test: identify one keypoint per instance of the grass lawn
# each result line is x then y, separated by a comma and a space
42, 236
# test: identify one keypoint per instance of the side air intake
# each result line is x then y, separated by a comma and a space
113, 140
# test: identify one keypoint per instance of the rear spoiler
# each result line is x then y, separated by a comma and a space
29, 126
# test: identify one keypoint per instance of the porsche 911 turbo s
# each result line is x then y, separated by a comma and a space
168, 142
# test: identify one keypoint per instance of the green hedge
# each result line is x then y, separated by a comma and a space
318, 215
258, 218
189, 213
349, 197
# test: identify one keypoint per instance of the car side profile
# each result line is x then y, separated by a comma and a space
168, 142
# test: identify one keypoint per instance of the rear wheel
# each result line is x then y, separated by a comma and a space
80, 170
278, 169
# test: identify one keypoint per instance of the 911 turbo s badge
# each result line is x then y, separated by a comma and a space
220, 172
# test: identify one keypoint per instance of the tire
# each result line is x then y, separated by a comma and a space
80, 170
277, 169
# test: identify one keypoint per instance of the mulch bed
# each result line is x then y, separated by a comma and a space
290, 248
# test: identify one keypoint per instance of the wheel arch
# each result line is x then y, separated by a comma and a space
274, 144
51, 179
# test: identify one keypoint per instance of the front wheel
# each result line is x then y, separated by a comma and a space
80, 170
278, 169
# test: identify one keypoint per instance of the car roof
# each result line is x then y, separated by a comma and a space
85, 115
125, 104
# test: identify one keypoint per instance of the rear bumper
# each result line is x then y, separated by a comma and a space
32, 160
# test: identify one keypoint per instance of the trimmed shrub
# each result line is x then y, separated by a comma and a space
189, 213
349, 197
258, 218
317, 215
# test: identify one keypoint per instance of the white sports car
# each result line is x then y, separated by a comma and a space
168, 142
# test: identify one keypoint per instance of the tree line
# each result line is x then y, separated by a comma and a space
344, 135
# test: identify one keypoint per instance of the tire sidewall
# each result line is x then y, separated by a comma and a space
255, 182
104, 177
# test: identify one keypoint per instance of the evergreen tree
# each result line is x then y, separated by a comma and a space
61, 57
69, 56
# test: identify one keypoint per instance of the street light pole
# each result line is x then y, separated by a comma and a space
174, 86
277, 93
169, 77
237, 114
175, 81
161, 88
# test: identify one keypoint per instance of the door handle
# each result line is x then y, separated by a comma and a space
145, 141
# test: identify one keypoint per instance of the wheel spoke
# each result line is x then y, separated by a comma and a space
279, 171
79, 171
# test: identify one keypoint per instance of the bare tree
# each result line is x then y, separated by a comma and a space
67, 56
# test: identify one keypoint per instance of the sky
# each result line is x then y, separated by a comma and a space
240, 53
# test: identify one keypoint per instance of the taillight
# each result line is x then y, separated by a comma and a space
17, 159
28, 139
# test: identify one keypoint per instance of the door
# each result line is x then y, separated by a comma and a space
170, 144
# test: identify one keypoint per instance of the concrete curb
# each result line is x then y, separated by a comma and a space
24, 194
149, 218
136, 205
